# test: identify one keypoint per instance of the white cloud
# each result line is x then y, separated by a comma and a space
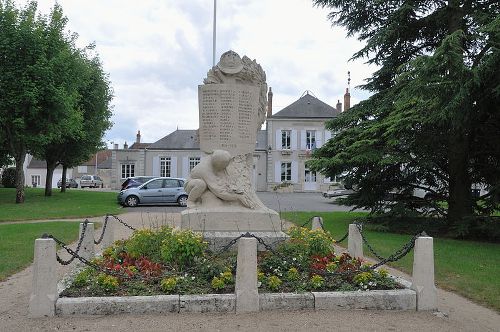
158, 51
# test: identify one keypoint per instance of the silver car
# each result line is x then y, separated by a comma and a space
155, 191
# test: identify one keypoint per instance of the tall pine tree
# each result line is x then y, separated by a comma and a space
433, 120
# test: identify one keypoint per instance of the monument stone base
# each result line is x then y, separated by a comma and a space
220, 225
230, 219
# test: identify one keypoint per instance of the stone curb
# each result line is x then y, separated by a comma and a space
399, 299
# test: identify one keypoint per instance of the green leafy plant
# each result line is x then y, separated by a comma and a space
168, 285
218, 283
273, 282
182, 247
316, 281
292, 274
147, 242
107, 283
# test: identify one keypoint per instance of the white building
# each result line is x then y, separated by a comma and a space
280, 153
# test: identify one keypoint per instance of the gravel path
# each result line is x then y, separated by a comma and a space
456, 313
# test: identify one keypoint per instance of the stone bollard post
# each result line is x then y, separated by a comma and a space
44, 293
247, 296
423, 274
87, 249
317, 223
355, 242
109, 234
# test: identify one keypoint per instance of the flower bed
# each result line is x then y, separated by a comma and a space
168, 261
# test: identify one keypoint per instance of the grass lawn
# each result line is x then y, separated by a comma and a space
465, 267
17, 242
71, 204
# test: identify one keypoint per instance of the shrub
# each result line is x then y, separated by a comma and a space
83, 278
146, 242
168, 285
107, 283
9, 178
316, 281
273, 282
292, 274
218, 283
315, 242
182, 247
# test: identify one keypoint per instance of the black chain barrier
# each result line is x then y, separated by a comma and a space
103, 230
400, 253
121, 222
80, 241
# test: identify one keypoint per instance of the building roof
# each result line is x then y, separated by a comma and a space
178, 140
103, 161
139, 145
307, 106
37, 163
188, 140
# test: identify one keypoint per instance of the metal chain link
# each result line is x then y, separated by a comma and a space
122, 222
103, 230
365, 241
80, 241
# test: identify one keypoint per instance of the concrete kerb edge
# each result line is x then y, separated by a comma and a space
398, 299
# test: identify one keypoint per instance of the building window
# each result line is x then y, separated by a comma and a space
286, 172
128, 170
193, 161
309, 176
35, 180
165, 166
310, 139
285, 139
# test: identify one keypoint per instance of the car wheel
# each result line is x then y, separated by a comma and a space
132, 201
182, 200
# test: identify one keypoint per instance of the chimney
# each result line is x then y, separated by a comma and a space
270, 103
339, 106
138, 137
347, 100
115, 146
125, 146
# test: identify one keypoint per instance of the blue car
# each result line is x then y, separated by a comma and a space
155, 191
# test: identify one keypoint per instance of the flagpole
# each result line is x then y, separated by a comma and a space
215, 22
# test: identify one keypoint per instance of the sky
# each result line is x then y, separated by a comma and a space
157, 52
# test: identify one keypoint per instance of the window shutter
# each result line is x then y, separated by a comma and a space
185, 167
278, 139
295, 172
173, 167
303, 143
293, 139
277, 171
328, 135
156, 166
319, 138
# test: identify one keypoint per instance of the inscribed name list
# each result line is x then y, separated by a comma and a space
228, 117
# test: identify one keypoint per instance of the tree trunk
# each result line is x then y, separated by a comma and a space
20, 176
51, 166
460, 197
63, 182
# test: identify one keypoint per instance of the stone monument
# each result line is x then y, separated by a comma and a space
232, 108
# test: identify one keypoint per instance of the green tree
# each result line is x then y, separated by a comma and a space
40, 88
432, 121
95, 100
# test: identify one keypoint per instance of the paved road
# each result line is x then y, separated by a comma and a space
281, 202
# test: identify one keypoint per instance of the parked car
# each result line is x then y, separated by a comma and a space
91, 181
338, 192
155, 191
135, 181
70, 183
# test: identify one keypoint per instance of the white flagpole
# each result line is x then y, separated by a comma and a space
214, 36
